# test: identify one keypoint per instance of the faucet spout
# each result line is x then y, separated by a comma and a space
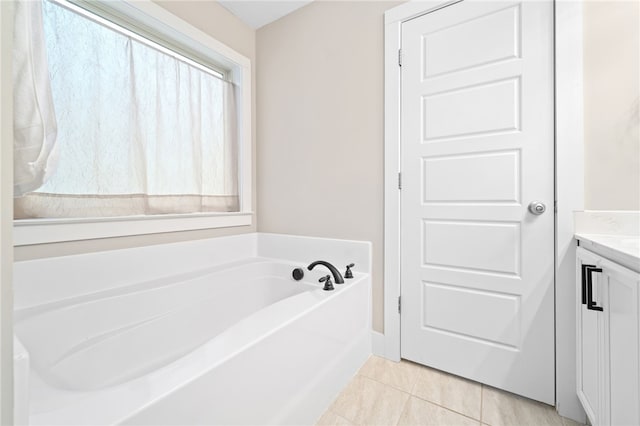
337, 277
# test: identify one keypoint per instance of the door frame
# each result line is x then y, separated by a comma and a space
6, 220
569, 184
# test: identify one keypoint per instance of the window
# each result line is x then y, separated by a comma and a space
144, 131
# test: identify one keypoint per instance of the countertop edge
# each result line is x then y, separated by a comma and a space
606, 246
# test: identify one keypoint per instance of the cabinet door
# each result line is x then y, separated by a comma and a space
621, 341
589, 344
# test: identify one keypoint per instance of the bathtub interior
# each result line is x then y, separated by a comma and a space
126, 334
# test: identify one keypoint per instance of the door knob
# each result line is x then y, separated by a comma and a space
537, 207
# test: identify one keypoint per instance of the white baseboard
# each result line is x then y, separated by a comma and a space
377, 343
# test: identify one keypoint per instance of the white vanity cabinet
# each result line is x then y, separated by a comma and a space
608, 340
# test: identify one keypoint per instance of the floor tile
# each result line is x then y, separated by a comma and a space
569, 422
502, 408
452, 392
401, 375
423, 413
367, 402
329, 418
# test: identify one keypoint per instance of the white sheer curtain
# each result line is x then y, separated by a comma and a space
139, 131
34, 125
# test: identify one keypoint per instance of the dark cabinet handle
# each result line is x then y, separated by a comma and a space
591, 304
584, 282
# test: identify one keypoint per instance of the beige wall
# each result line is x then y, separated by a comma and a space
219, 23
612, 105
320, 126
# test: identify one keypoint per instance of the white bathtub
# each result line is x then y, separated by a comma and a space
236, 342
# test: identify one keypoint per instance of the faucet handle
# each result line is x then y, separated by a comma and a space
348, 274
328, 285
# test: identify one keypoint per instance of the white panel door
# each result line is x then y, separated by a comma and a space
477, 145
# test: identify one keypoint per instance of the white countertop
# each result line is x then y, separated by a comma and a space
615, 235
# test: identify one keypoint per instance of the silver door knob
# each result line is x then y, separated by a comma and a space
537, 207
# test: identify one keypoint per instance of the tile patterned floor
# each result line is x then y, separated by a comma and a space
389, 393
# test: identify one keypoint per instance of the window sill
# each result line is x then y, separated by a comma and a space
42, 231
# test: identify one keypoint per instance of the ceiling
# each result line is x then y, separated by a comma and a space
257, 13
